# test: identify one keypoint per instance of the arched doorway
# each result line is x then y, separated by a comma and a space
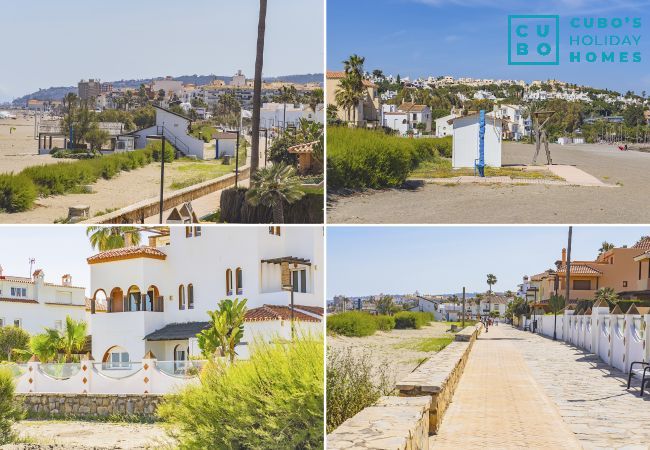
152, 301
181, 355
116, 301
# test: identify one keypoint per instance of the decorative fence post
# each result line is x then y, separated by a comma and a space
87, 373
33, 371
148, 368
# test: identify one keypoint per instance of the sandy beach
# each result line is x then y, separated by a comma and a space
18, 149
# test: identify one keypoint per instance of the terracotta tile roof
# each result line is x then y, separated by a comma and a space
17, 279
126, 253
337, 75
578, 269
312, 309
643, 243
17, 300
276, 312
540, 276
99, 306
411, 107
302, 148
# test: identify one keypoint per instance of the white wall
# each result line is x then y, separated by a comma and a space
466, 142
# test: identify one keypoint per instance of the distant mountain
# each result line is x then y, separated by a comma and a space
57, 93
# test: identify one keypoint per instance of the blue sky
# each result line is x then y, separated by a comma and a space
469, 38
373, 260
58, 250
56, 43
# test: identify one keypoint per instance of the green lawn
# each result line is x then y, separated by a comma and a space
186, 172
441, 168
426, 344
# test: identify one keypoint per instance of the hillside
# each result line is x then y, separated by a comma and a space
57, 93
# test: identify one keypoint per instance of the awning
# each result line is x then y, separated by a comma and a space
177, 331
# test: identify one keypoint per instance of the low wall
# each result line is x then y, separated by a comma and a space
395, 423
439, 375
138, 212
405, 422
90, 405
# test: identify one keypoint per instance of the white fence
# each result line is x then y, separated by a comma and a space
89, 377
617, 339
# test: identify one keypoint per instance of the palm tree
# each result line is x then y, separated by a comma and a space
108, 238
608, 294
346, 97
73, 338
287, 95
353, 81
45, 346
272, 186
257, 89
605, 247
354, 65
226, 329
557, 304
315, 98
491, 280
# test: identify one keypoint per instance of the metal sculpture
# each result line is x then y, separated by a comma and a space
481, 144
541, 137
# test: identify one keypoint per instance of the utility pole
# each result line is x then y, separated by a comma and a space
568, 268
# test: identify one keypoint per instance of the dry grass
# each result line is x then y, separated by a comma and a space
441, 168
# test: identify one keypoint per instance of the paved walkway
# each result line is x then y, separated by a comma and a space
498, 404
591, 395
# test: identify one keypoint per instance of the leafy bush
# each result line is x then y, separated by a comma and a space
385, 323
414, 320
12, 340
155, 147
273, 400
10, 411
353, 383
17, 192
353, 323
360, 158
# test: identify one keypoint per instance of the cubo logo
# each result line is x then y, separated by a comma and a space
534, 40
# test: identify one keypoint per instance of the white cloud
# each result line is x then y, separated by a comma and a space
451, 38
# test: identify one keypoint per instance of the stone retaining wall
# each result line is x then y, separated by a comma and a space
91, 405
138, 212
404, 422
395, 423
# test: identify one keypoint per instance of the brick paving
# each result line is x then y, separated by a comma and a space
498, 404
590, 395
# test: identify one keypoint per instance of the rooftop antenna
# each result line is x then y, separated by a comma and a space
31, 264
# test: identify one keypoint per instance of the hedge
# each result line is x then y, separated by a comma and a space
385, 323
362, 158
353, 323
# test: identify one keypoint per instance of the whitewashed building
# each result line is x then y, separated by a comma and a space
158, 296
465, 150
443, 127
175, 128
33, 304
275, 115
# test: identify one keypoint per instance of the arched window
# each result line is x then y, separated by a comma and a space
228, 282
99, 299
116, 358
152, 301
190, 296
238, 281
181, 297
116, 302
134, 299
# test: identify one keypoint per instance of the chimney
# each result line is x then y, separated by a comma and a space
66, 280
564, 256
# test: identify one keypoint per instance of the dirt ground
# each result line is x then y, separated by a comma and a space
391, 349
518, 203
59, 435
18, 149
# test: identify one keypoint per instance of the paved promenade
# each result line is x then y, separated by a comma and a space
498, 404
521, 390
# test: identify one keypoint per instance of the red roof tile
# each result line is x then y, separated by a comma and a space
311, 309
643, 243
579, 269
126, 253
337, 75
17, 300
277, 312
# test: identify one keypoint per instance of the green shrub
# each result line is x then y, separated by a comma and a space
414, 320
273, 400
353, 383
385, 323
155, 147
10, 410
17, 192
59, 178
360, 158
353, 323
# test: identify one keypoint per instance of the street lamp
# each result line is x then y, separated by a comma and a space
162, 169
556, 285
533, 290
289, 287
236, 156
